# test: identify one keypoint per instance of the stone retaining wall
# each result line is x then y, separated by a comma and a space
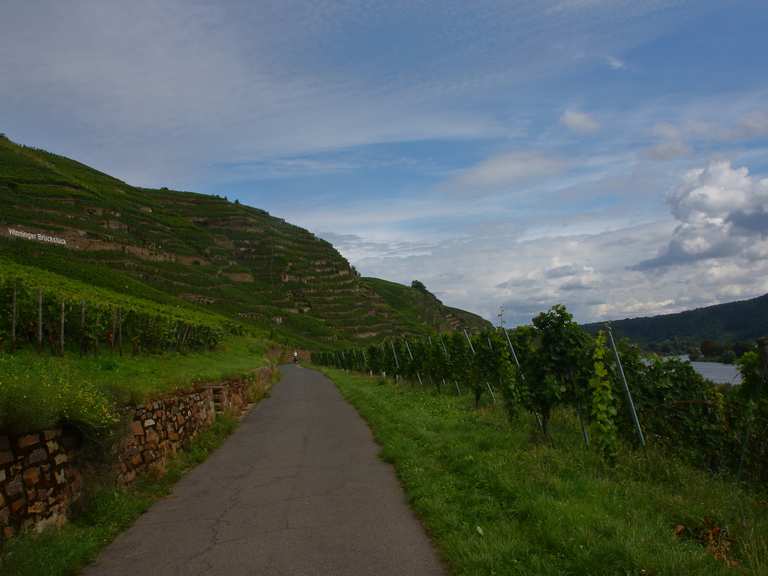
39, 480
41, 477
158, 429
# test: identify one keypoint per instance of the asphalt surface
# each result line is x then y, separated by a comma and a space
298, 489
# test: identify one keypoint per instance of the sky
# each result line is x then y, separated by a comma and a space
611, 155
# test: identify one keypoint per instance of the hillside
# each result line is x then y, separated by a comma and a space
418, 307
730, 322
197, 251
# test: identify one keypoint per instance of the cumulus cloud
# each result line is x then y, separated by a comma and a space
580, 122
500, 172
721, 211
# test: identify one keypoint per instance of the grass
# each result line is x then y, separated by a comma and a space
496, 501
37, 391
106, 512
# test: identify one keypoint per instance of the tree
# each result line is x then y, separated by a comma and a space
416, 285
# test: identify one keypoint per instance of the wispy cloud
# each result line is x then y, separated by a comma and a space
580, 122
615, 63
500, 172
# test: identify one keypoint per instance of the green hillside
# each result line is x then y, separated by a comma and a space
198, 251
419, 308
730, 322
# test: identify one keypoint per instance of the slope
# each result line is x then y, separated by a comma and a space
189, 249
421, 309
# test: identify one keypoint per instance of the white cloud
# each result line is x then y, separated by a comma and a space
580, 122
722, 211
506, 170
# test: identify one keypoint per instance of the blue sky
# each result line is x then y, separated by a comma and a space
611, 155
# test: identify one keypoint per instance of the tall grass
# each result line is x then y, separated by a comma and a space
499, 501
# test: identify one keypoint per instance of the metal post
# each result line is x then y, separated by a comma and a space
630, 402
490, 389
408, 347
397, 364
470, 341
522, 375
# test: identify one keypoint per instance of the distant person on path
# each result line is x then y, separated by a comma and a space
295, 357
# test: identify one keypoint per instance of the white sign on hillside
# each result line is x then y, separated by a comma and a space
36, 236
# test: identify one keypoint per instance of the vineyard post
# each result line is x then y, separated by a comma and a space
39, 320
522, 376
411, 355
490, 388
628, 394
61, 328
394, 354
447, 357
477, 395
13, 319
469, 341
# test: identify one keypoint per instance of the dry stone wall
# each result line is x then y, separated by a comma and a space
39, 480
158, 429
41, 474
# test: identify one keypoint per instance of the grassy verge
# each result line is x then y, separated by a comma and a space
37, 391
497, 502
106, 512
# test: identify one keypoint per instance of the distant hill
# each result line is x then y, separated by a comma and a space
730, 322
198, 251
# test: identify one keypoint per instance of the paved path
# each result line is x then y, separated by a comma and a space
296, 490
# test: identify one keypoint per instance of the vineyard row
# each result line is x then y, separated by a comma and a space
619, 395
48, 311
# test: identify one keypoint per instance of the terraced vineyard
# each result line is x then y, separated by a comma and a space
203, 251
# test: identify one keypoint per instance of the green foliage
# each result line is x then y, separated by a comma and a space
38, 392
562, 366
603, 425
144, 325
554, 355
197, 251
551, 508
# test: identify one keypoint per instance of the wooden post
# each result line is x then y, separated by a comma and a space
39, 320
61, 329
13, 319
